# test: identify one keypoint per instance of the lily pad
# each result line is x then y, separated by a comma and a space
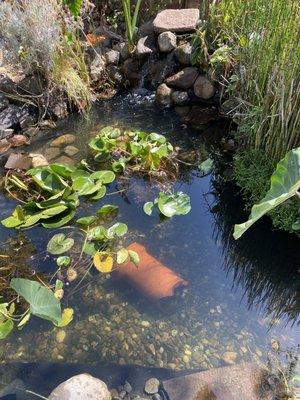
59, 244
103, 262
173, 204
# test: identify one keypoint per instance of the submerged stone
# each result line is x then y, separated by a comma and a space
152, 386
63, 140
81, 387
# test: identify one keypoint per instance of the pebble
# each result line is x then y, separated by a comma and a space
145, 324
152, 386
71, 151
63, 140
60, 336
229, 357
127, 387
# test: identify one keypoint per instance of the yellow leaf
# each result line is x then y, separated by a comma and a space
243, 41
103, 262
66, 317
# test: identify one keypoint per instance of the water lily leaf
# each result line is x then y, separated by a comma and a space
206, 167
103, 262
42, 301
111, 132
285, 182
174, 204
5, 328
101, 193
63, 261
16, 219
122, 256
118, 229
80, 172
148, 207
62, 169
90, 248
103, 176
134, 257
61, 220
155, 137
97, 233
86, 221
66, 317
107, 209
47, 180
85, 185
59, 244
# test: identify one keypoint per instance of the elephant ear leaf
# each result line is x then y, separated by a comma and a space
285, 182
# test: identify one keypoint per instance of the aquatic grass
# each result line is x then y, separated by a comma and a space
265, 36
131, 20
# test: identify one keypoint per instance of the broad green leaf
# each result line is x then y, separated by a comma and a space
5, 328
62, 169
103, 262
174, 204
61, 220
148, 207
59, 244
63, 261
47, 180
101, 193
155, 137
103, 176
97, 233
285, 182
90, 248
118, 229
85, 186
86, 221
42, 301
134, 257
107, 209
66, 317
122, 256
206, 167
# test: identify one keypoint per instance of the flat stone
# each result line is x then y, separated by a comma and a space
81, 387
204, 88
19, 140
163, 95
18, 161
167, 42
52, 152
65, 160
63, 140
152, 386
184, 20
229, 357
183, 79
71, 151
239, 382
38, 160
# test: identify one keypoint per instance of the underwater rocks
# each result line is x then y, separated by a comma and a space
63, 140
152, 386
81, 387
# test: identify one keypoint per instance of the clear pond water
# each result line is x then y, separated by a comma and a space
242, 299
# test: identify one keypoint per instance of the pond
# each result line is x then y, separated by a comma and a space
242, 299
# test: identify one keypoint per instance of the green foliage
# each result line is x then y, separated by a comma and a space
74, 6
252, 171
59, 244
131, 20
6, 322
170, 204
206, 167
134, 150
53, 193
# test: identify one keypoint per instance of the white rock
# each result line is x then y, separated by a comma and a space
184, 20
167, 42
81, 387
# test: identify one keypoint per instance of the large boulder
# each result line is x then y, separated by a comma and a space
163, 95
204, 87
184, 20
81, 387
167, 42
184, 79
183, 54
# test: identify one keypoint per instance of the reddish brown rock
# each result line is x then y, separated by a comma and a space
184, 20
18, 140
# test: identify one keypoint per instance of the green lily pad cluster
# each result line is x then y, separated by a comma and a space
52, 194
137, 150
169, 204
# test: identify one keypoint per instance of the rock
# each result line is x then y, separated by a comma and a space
112, 57
183, 79
18, 140
146, 29
229, 357
183, 53
18, 161
127, 387
15, 117
52, 152
97, 68
71, 151
7, 85
152, 386
167, 42
184, 20
60, 336
161, 69
131, 70
156, 397
115, 74
64, 160
38, 160
63, 140
163, 95
180, 97
145, 46
4, 145
200, 115
229, 106
4, 103
60, 110
6, 133
14, 390
204, 88
122, 48
81, 387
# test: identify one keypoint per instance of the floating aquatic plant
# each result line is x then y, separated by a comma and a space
169, 204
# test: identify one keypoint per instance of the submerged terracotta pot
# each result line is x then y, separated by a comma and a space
152, 278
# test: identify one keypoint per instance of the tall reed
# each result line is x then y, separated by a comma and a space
265, 35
